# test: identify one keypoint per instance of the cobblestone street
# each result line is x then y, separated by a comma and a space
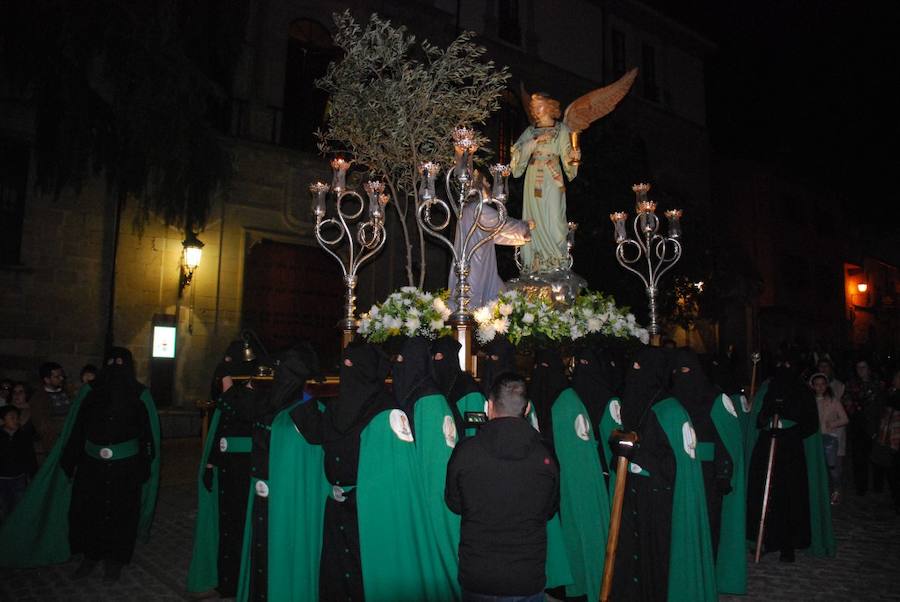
866, 567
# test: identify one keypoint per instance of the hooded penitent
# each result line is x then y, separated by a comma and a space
231, 363
499, 357
292, 369
795, 512
361, 398
457, 386
110, 442
714, 417
592, 380
665, 552
548, 380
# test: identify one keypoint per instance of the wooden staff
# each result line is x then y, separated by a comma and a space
755, 359
615, 517
766, 490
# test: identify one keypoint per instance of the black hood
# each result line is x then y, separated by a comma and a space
412, 372
644, 385
547, 382
720, 371
503, 350
294, 368
361, 383
445, 371
689, 383
592, 380
117, 380
508, 438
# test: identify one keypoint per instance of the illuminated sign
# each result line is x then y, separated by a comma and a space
164, 341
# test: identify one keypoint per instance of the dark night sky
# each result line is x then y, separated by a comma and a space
808, 85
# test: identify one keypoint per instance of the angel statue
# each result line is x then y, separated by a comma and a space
546, 150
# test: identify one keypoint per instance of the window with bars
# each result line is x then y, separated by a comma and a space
14, 162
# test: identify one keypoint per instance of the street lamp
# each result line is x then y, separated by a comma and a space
190, 261
659, 252
368, 239
468, 200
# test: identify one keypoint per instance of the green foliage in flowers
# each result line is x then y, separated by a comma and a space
407, 312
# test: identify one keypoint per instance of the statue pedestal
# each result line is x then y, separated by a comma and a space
559, 286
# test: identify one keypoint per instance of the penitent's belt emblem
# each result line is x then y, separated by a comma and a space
262, 489
106, 453
223, 444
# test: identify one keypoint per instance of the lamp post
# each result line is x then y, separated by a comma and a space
361, 245
190, 261
659, 252
461, 180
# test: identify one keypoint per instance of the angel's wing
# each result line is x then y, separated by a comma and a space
526, 102
597, 103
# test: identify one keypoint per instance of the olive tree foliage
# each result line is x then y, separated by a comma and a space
394, 104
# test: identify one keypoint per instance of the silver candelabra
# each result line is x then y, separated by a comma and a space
659, 252
462, 193
369, 236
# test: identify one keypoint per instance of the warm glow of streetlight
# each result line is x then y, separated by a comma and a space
862, 287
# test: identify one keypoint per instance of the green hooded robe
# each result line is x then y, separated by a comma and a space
584, 501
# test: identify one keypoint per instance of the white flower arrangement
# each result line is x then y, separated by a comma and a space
533, 319
408, 312
521, 318
596, 314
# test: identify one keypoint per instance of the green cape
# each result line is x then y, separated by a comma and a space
691, 563
298, 490
472, 401
37, 532
584, 501
731, 559
435, 439
203, 574
400, 561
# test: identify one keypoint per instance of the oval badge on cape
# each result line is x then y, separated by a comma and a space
449, 429
690, 439
729, 405
400, 425
582, 428
615, 410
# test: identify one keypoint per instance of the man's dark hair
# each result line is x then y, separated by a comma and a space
48, 367
8, 410
509, 394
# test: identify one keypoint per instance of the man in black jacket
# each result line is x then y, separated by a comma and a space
505, 484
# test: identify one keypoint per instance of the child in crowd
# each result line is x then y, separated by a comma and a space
18, 462
832, 421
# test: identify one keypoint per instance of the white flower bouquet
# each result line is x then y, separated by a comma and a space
596, 315
407, 312
522, 320
535, 321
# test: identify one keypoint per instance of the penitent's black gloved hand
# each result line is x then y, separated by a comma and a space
723, 487
208, 478
621, 446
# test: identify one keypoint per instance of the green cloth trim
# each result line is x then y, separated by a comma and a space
203, 573
116, 451
236, 445
706, 451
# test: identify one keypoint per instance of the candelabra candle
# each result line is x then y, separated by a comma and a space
618, 219
374, 189
501, 177
339, 167
429, 171
674, 217
464, 146
319, 190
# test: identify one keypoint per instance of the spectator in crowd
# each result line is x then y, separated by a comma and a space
889, 437
5, 391
832, 420
863, 400
504, 482
88, 374
826, 367
17, 459
49, 404
19, 399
